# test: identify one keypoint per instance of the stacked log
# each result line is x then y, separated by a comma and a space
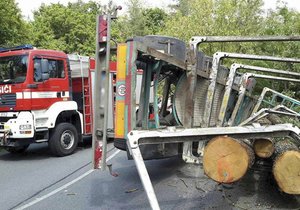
226, 159
274, 119
264, 147
286, 166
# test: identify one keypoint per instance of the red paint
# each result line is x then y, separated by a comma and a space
97, 155
92, 64
112, 65
50, 85
102, 29
128, 84
151, 116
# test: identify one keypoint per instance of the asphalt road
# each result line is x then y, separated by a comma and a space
36, 180
25, 176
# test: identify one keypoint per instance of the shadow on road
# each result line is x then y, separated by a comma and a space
37, 152
258, 190
184, 186
34, 152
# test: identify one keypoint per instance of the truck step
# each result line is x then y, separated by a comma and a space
41, 129
41, 140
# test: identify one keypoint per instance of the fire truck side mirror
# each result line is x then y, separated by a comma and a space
45, 69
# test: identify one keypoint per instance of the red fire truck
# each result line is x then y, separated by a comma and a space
45, 96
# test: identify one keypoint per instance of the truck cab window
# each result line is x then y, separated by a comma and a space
20, 72
56, 69
13, 69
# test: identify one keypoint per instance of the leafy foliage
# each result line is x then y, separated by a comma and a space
154, 20
71, 28
245, 18
216, 18
13, 30
182, 6
139, 22
68, 28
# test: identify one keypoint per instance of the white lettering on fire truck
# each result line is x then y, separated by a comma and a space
5, 89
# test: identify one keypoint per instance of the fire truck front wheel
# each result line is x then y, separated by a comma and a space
63, 139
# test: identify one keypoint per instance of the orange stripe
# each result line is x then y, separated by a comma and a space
121, 61
119, 131
120, 99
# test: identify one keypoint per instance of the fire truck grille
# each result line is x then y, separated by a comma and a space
8, 100
5, 119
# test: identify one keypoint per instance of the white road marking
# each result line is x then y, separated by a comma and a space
62, 187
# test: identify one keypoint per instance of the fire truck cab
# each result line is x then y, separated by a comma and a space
41, 102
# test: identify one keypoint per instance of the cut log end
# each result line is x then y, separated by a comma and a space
286, 170
263, 148
227, 160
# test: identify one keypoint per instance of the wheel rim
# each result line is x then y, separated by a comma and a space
67, 139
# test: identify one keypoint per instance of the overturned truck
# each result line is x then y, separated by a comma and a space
206, 111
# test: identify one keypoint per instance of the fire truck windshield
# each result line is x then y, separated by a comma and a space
13, 69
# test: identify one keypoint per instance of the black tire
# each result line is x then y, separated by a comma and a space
17, 150
63, 139
120, 144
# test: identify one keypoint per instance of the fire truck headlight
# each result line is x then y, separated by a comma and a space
25, 127
6, 127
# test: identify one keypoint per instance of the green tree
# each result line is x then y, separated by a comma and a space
154, 20
217, 18
182, 6
139, 21
70, 28
135, 19
198, 21
13, 30
239, 17
283, 21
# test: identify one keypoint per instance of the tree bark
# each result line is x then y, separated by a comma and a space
286, 166
226, 160
274, 119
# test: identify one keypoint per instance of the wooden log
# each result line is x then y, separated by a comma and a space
226, 160
286, 167
264, 148
264, 121
274, 119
